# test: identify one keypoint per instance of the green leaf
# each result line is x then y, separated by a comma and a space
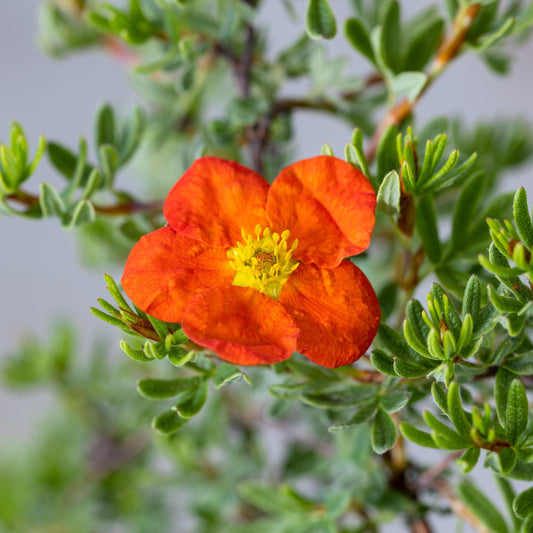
50, 201
467, 203
168, 422
226, 374
507, 460
391, 36
517, 411
364, 412
132, 353
83, 213
509, 495
503, 303
410, 370
440, 397
522, 218
358, 37
472, 299
409, 84
426, 226
388, 198
66, 162
469, 459
179, 356
482, 507
386, 154
502, 384
384, 433
132, 136
527, 526
320, 20
423, 41
456, 412
456, 439
417, 436
190, 403
159, 388
341, 398
523, 503
394, 401
393, 342
105, 126
521, 364
382, 362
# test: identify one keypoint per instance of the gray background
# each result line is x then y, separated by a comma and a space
40, 276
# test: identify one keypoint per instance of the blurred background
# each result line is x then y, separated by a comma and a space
41, 276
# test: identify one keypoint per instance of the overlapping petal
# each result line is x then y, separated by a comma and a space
214, 200
336, 311
241, 325
165, 270
327, 204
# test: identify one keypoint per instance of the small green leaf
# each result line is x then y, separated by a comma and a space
320, 20
517, 411
384, 433
65, 161
364, 412
159, 388
522, 218
394, 401
507, 460
469, 459
168, 422
426, 226
105, 126
358, 37
456, 439
502, 383
523, 503
456, 412
51, 203
482, 507
440, 397
383, 363
521, 364
132, 353
386, 155
417, 436
83, 213
190, 403
388, 198
226, 374
391, 35
409, 84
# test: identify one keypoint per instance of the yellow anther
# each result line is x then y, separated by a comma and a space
263, 262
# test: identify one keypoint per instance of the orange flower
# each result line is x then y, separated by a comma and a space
254, 272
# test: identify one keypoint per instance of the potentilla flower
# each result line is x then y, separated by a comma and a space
255, 272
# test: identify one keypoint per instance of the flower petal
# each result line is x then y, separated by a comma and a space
241, 325
214, 200
327, 205
165, 270
336, 310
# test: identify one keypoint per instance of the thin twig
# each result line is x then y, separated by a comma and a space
127, 208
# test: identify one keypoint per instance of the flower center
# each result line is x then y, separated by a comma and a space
264, 262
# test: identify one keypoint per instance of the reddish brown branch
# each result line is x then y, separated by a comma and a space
30, 200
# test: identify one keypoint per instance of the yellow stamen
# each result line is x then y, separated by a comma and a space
264, 262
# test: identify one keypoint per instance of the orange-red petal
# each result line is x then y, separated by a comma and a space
165, 270
214, 200
327, 205
336, 311
241, 325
